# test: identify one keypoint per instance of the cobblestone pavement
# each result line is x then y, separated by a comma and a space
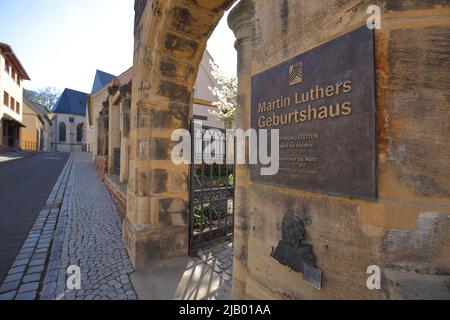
84, 230
219, 257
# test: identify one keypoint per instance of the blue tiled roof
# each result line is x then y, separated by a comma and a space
72, 102
101, 80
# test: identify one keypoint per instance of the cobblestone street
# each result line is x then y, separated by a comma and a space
79, 226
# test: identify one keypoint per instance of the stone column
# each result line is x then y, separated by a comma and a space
125, 106
104, 130
156, 227
114, 129
239, 21
98, 137
170, 39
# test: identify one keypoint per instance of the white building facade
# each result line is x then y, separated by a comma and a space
12, 75
203, 98
68, 122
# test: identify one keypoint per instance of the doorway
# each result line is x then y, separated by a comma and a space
212, 189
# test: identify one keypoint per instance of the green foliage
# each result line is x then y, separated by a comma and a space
231, 181
209, 212
200, 218
47, 97
215, 176
226, 94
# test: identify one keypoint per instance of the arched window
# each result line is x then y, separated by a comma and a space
62, 132
80, 129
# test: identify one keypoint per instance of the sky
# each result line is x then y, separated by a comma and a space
62, 43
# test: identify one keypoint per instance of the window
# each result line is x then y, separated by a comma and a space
13, 103
7, 67
18, 80
72, 120
6, 99
80, 130
18, 107
62, 132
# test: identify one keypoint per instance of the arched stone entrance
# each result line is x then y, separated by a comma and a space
404, 232
170, 39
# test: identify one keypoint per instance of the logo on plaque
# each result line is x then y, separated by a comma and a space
296, 74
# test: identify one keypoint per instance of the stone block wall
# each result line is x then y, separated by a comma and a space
118, 196
101, 163
405, 232
170, 39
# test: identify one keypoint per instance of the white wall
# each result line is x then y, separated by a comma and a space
71, 144
204, 112
13, 89
204, 81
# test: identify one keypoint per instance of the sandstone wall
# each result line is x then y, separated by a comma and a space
170, 40
405, 232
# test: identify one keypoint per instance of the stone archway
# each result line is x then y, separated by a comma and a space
170, 39
346, 234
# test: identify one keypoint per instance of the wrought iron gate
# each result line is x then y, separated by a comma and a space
212, 190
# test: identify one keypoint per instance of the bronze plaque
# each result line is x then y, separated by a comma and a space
323, 102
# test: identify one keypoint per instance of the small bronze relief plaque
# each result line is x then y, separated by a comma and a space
323, 103
293, 251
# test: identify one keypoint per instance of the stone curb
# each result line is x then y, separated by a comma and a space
50, 285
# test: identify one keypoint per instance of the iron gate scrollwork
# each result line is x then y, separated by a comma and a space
212, 187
